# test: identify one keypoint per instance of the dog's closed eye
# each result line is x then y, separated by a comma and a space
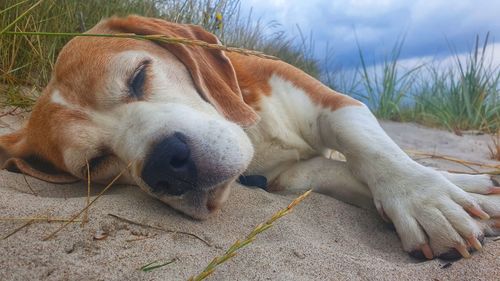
136, 82
98, 162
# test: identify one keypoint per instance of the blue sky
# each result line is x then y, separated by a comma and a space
427, 25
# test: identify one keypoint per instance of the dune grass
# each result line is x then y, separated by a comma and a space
384, 86
463, 96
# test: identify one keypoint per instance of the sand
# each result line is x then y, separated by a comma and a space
322, 239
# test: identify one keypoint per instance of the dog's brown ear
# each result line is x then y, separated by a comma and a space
15, 156
211, 70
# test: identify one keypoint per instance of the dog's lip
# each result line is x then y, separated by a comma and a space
198, 204
213, 206
206, 207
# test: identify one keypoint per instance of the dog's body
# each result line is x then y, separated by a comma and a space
186, 120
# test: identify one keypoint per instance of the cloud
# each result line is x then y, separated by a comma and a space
430, 28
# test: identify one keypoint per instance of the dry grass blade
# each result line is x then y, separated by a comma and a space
88, 206
29, 222
17, 229
157, 38
13, 6
29, 185
42, 219
160, 228
138, 239
452, 159
493, 173
20, 17
231, 252
86, 215
495, 146
11, 112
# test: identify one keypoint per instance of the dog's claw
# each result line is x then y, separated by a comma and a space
474, 242
462, 249
478, 213
494, 190
426, 249
424, 253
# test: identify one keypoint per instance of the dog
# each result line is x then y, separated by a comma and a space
186, 121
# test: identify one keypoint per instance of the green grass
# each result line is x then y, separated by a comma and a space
384, 87
463, 96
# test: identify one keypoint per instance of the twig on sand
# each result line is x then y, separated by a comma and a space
493, 173
88, 206
160, 228
40, 219
452, 159
29, 222
17, 229
29, 185
139, 238
10, 112
231, 252
86, 215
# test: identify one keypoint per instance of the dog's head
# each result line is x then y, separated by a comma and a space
173, 111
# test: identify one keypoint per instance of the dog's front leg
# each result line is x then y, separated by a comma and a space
430, 213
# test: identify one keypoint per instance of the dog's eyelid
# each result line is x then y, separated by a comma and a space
96, 161
137, 80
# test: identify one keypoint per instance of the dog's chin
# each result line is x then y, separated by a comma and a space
199, 204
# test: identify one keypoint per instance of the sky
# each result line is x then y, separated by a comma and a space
430, 27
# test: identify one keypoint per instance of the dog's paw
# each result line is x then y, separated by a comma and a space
434, 217
490, 227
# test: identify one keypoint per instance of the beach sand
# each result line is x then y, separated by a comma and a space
322, 239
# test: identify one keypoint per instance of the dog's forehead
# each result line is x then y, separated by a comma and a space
84, 63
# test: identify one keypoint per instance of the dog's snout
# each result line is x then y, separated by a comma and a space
169, 167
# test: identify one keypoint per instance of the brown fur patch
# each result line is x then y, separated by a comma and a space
254, 73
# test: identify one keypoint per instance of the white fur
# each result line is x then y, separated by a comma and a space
58, 99
421, 202
279, 139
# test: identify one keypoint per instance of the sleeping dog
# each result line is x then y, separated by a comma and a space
187, 121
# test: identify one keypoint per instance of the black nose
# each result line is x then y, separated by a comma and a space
169, 167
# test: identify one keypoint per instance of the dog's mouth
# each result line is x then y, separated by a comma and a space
172, 189
198, 204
